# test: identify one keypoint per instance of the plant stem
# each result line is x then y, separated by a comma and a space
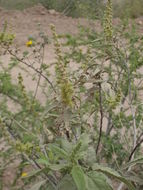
33, 68
101, 118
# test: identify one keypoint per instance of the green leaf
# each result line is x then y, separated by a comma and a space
90, 184
38, 185
67, 183
98, 181
50, 187
138, 160
110, 172
57, 167
79, 178
33, 173
136, 179
90, 156
58, 151
44, 161
85, 140
66, 145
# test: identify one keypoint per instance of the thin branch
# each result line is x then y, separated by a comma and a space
101, 117
135, 148
33, 68
134, 124
39, 78
33, 161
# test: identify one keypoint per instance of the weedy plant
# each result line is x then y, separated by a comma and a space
90, 125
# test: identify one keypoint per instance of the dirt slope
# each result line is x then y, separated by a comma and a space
24, 23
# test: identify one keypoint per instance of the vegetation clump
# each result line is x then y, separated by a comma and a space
88, 132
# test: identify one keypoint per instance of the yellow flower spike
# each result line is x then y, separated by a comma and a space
24, 174
29, 43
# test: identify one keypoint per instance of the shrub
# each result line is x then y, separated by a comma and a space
90, 8
128, 8
91, 122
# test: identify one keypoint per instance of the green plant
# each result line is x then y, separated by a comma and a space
129, 8
89, 8
69, 159
17, 4
92, 115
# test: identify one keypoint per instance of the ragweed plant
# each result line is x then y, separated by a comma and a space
79, 127
63, 81
107, 21
26, 100
6, 38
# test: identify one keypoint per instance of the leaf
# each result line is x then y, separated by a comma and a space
79, 178
112, 173
98, 180
44, 161
67, 183
38, 185
50, 187
138, 160
66, 145
85, 140
58, 151
90, 156
57, 167
34, 173
90, 184
136, 179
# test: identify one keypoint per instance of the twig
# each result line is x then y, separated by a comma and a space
134, 124
101, 117
39, 78
135, 148
33, 162
33, 68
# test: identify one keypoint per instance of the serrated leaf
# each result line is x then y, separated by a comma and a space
110, 172
137, 179
33, 173
67, 183
43, 161
57, 167
99, 180
85, 140
58, 151
90, 156
79, 178
90, 184
66, 145
50, 187
138, 160
38, 185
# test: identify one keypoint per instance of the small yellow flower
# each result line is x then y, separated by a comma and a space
29, 43
24, 174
